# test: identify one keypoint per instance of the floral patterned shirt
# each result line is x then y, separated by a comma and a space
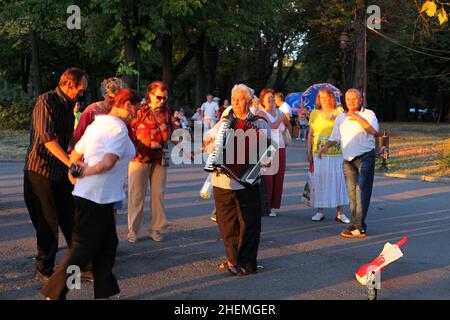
151, 129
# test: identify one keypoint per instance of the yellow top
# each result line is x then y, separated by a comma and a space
322, 128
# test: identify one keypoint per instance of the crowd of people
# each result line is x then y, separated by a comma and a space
75, 176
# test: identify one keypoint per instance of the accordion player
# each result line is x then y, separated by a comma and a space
241, 147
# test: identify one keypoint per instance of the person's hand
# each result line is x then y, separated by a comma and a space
262, 114
210, 147
310, 158
350, 114
322, 151
265, 164
353, 116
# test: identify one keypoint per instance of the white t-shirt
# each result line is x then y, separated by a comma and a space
107, 134
196, 117
354, 140
286, 108
277, 134
209, 110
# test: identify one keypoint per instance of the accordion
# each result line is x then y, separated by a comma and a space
239, 159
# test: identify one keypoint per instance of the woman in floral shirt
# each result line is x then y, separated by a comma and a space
152, 129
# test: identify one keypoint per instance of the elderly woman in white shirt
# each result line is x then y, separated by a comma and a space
107, 150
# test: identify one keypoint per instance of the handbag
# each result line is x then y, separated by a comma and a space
286, 134
308, 191
287, 137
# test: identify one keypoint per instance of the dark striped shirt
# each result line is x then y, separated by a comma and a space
53, 119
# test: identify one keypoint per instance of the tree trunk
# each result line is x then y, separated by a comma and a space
200, 84
131, 43
440, 106
166, 57
35, 72
212, 56
131, 54
288, 74
264, 65
25, 73
360, 28
279, 78
170, 72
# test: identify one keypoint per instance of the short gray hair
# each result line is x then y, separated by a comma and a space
355, 91
112, 85
248, 92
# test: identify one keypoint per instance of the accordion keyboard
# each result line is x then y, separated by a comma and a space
221, 134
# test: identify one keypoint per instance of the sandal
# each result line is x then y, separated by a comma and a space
224, 266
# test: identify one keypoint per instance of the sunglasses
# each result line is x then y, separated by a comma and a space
161, 98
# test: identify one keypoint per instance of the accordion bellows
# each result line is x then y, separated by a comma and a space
239, 150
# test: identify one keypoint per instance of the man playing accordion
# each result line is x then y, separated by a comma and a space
237, 202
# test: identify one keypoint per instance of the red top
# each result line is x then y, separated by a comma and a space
87, 117
152, 129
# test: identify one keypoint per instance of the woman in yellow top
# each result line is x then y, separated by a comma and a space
328, 178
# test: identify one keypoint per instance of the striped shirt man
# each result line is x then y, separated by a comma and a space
47, 189
52, 119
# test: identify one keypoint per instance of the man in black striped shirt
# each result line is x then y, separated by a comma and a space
47, 189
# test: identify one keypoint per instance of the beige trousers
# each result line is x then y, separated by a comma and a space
139, 174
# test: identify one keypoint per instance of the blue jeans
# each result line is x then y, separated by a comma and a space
359, 174
304, 130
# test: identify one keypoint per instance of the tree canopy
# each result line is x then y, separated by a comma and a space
201, 46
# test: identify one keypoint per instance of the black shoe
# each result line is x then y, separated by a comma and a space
41, 277
87, 276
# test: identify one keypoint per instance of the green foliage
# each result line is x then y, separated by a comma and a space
299, 47
127, 68
15, 109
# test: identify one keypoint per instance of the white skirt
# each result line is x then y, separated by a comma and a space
329, 183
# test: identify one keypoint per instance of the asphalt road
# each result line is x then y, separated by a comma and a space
302, 259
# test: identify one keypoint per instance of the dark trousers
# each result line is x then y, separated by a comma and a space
359, 174
49, 203
94, 239
265, 210
239, 219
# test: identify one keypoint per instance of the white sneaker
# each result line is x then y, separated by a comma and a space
303, 139
318, 217
343, 218
272, 213
132, 237
298, 139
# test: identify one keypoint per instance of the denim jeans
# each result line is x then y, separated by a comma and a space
304, 130
359, 174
